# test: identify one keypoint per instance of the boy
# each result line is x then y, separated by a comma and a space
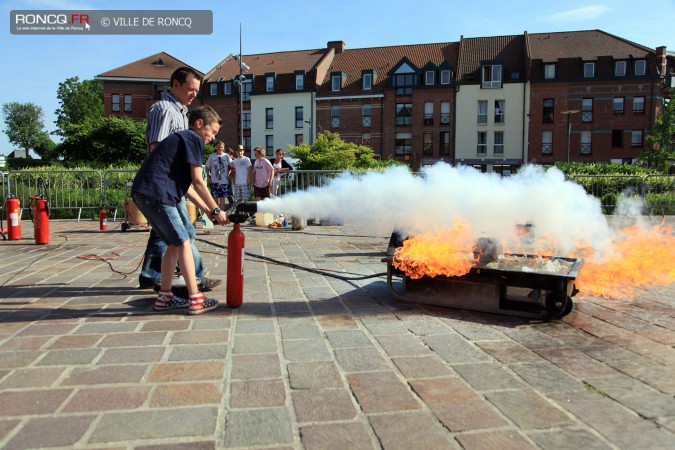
171, 172
218, 167
243, 176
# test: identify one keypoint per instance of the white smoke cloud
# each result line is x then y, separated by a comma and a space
494, 205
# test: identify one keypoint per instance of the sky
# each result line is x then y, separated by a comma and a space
34, 65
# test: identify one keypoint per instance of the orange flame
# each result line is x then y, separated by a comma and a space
642, 257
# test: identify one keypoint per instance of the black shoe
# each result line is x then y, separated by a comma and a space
146, 284
207, 284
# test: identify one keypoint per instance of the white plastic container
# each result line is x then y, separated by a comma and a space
263, 219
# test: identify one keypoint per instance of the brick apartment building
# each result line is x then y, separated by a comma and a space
493, 102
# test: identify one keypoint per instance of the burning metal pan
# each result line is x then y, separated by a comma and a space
513, 284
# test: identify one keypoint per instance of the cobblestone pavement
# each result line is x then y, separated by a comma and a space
311, 361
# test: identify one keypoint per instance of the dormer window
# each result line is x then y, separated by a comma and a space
619, 68
491, 76
446, 76
549, 71
404, 77
269, 82
299, 80
336, 81
589, 70
430, 77
640, 67
213, 89
367, 79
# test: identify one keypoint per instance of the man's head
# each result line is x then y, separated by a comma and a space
240, 151
206, 122
185, 84
220, 147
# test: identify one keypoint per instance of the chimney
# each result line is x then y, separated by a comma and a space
339, 46
661, 60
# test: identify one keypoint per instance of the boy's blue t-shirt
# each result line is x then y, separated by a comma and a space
165, 174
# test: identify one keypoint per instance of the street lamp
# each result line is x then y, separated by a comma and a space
569, 128
240, 80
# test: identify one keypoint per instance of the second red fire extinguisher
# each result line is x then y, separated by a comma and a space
103, 220
41, 219
235, 267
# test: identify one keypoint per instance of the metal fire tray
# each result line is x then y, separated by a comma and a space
507, 286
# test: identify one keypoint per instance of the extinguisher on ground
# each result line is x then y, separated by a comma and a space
41, 219
235, 267
103, 220
13, 208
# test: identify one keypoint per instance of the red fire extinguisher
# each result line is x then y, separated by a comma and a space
41, 219
102, 220
235, 267
13, 208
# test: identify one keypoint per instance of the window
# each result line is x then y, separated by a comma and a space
481, 147
299, 81
585, 148
404, 83
549, 71
269, 145
246, 118
404, 114
640, 67
403, 143
299, 117
246, 87
444, 148
636, 138
445, 76
619, 68
589, 70
427, 144
445, 113
127, 103
269, 83
547, 142
638, 105
498, 147
335, 82
492, 76
366, 115
299, 139
367, 81
429, 77
482, 112
227, 88
499, 111
366, 139
549, 107
213, 89
587, 110
269, 118
247, 143
335, 116
617, 138
617, 105
428, 113
116, 103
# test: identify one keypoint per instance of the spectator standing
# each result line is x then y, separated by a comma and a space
243, 176
280, 166
218, 167
263, 174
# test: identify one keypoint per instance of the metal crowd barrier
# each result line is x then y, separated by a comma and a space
301, 180
660, 194
116, 189
608, 188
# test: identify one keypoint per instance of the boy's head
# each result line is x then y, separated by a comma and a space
206, 122
240, 151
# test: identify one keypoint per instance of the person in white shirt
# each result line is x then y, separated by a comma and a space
243, 176
218, 167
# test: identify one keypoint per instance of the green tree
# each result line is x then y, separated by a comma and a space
24, 124
79, 100
330, 152
661, 139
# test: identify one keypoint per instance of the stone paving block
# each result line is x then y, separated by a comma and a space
189, 371
348, 339
128, 373
360, 359
198, 445
155, 424
487, 376
533, 339
649, 372
26, 343
402, 345
107, 399
199, 352
314, 375
49, 329
254, 344
255, 326
576, 362
257, 393
76, 341
32, 377
454, 349
424, 326
299, 331
547, 378
528, 410
41, 432
272, 427
249, 367
208, 322
37, 401
134, 339
635, 395
490, 440
186, 394
132, 355
323, 405
336, 436
337, 322
199, 337
70, 357
422, 366
106, 327
509, 352
381, 391
166, 325
616, 423
328, 307
477, 331
568, 438
306, 350
405, 431
11, 360
385, 327
6, 427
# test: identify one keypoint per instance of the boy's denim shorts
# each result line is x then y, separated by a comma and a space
171, 223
